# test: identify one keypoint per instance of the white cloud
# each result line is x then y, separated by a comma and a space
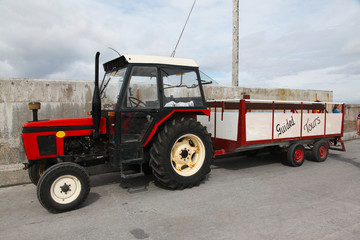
6, 68
283, 42
300, 44
43, 38
331, 78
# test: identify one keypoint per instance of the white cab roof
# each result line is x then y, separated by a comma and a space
160, 60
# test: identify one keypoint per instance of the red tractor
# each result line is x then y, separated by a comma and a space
143, 115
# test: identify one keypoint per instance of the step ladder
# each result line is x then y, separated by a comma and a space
132, 168
129, 158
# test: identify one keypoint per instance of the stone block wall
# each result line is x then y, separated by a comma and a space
59, 99
68, 99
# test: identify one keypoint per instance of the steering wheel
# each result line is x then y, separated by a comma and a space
136, 102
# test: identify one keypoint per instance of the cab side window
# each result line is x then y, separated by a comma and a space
180, 88
142, 90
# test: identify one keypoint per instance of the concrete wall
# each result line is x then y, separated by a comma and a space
67, 98
351, 113
222, 92
59, 99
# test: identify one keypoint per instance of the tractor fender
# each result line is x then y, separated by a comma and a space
171, 115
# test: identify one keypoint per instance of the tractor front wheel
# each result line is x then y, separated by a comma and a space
63, 187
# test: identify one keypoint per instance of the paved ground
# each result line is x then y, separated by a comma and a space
244, 198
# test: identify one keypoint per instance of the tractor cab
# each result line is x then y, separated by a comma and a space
135, 89
138, 93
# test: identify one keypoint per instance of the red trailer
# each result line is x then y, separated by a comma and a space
248, 125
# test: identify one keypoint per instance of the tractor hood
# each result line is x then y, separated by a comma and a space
63, 125
45, 139
61, 122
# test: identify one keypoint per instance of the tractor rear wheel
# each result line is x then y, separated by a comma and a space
63, 187
182, 154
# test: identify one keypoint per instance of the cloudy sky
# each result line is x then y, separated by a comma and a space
303, 44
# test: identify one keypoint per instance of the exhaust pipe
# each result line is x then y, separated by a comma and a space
35, 106
96, 102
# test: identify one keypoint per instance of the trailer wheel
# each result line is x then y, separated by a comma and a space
181, 154
63, 187
320, 151
296, 155
36, 170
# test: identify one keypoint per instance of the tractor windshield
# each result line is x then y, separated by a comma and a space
110, 88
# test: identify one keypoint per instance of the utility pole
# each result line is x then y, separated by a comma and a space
235, 49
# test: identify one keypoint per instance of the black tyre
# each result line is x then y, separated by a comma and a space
36, 170
296, 155
182, 154
63, 187
320, 151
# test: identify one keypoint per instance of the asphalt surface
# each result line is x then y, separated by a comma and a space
243, 198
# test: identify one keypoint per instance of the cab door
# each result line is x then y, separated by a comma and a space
139, 104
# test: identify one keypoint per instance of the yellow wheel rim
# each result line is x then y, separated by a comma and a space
187, 155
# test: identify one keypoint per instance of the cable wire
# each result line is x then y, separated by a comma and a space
173, 53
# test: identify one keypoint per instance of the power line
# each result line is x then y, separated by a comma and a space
173, 53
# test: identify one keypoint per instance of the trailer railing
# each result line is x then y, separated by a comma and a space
235, 123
